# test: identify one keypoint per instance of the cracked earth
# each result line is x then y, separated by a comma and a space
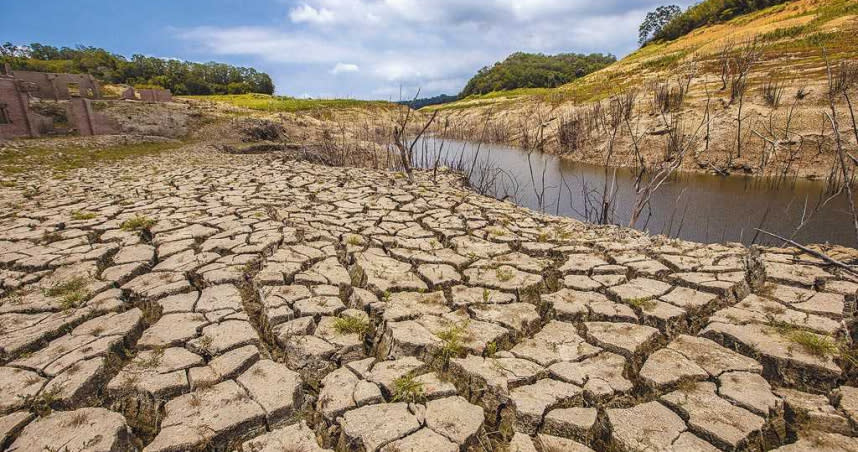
205, 301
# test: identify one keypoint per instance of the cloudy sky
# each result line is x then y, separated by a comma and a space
337, 48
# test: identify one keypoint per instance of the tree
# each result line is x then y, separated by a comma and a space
655, 21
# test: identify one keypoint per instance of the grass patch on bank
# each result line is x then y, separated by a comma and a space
69, 158
138, 223
264, 102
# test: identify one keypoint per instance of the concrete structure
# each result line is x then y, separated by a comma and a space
88, 121
16, 119
71, 92
128, 94
59, 86
155, 95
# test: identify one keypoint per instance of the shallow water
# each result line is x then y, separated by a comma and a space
699, 207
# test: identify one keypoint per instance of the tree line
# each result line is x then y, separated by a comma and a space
180, 77
427, 101
529, 70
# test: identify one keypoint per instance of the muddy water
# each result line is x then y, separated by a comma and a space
699, 207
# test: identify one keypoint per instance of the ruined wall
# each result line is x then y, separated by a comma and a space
128, 94
88, 121
155, 95
60, 86
17, 123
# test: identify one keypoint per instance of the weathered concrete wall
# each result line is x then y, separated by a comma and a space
57, 86
88, 121
128, 93
155, 95
14, 118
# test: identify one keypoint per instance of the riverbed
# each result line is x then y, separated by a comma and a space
700, 207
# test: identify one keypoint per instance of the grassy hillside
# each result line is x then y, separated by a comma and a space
794, 31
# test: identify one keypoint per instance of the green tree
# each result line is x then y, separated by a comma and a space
655, 21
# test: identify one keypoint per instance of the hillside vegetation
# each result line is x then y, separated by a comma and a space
749, 94
285, 104
710, 12
181, 77
528, 70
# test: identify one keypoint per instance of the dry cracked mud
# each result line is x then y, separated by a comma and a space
205, 301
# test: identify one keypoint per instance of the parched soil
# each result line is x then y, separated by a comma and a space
204, 300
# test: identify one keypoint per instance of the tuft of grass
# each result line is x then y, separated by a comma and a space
504, 274
814, 344
51, 237
152, 361
453, 342
138, 223
351, 325
42, 403
491, 349
71, 292
205, 343
407, 389
818, 345
80, 215
645, 304
77, 419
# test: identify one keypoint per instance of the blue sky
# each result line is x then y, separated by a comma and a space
336, 48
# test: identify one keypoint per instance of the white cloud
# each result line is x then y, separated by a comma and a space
388, 45
344, 67
306, 13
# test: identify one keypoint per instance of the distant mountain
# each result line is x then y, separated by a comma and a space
426, 101
535, 70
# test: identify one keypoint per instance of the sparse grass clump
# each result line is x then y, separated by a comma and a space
77, 419
138, 223
818, 345
814, 344
71, 292
152, 361
407, 389
453, 342
645, 304
504, 274
80, 215
351, 325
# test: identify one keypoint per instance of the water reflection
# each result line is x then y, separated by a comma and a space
699, 207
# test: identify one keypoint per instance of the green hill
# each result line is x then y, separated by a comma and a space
529, 70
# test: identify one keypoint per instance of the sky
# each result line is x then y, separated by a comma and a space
366, 49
